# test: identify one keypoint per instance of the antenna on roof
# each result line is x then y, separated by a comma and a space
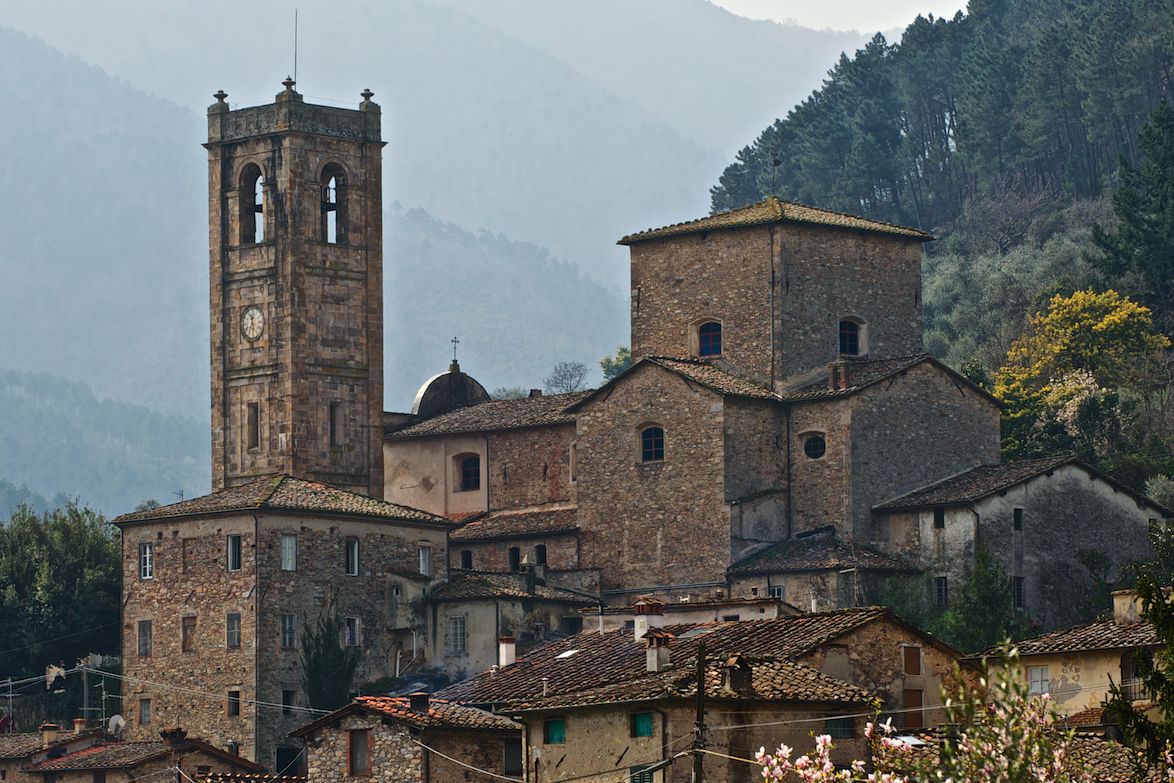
295, 73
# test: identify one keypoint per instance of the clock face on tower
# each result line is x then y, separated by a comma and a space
252, 323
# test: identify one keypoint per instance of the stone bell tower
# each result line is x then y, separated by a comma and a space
296, 252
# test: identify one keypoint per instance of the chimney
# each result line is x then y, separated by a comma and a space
49, 734
656, 643
649, 614
79, 725
418, 702
507, 650
737, 675
529, 578
536, 392
838, 376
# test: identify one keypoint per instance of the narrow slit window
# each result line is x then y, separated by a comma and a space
253, 426
259, 210
232, 631
334, 206
336, 429
352, 557
233, 552
251, 205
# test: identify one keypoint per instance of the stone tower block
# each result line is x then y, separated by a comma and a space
296, 253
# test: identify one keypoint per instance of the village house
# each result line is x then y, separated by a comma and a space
687, 612
19, 750
131, 760
1075, 666
412, 739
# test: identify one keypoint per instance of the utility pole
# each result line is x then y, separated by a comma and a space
11, 717
699, 725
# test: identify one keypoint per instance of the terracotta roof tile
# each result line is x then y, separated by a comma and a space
251, 777
712, 376
465, 585
974, 484
816, 553
441, 714
771, 680
1100, 635
775, 210
862, 373
111, 755
495, 415
519, 523
591, 660
19, 744
286, 493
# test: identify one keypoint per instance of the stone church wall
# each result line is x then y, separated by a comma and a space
529, 467
820, 487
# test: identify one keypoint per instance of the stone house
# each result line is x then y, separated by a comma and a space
687, 612
1038, 519
130, 760
413, 739
868, 648
21, 749
218, 591
1075, 665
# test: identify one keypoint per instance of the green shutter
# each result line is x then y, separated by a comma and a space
555, 731
642, 724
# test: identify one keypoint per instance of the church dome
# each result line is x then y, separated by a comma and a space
448, 391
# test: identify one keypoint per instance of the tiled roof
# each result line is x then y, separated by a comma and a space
816, 553
1093, 716
862, 373
19, 745
713, 377
251, 777
497, 415
286, 493
1100, 635
774, 210
111, 755
465, 585
771, 680
985, 480
520, 523
441, 714
591, 660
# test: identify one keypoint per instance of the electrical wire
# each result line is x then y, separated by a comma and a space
59, 638
467, 766
216, 696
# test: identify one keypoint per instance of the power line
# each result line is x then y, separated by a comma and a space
216, 696
467, 766
59, 638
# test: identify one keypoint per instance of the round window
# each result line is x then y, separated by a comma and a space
814, 446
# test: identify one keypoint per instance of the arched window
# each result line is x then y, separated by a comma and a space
814, 445
333, 205
652, 444
709, 339
850, 343
468, 472
251, 197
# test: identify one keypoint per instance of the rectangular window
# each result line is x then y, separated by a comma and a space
187, 554
287, 702
454, 636
289, 631
358, 758
335, 415
840, 728
146, 560
233, 552
253, 426
289, 552
941, 591
640, 724
939, 518
912, 655
640, 774
1037, 680
187, 633
466, 560
912, 716
234, 704
232, 631
515, 556
554, 731
540, 554
1017, 519
144, 712
776, 591
145, 640
512, 757
424, 556
1018, 592
351, 631
352, 557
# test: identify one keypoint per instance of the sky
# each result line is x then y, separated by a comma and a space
863, 15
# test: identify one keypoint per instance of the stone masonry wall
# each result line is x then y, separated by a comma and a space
831, 274
562, 552
191, 580
820, 493
921, 426
322, 341
530, 467
394, 757
755, 471
381, 597
655, 523
725, 276
480, 749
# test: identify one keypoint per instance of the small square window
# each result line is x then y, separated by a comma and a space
554, 731
840, 728
1037, 680
776, 591
641, 724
